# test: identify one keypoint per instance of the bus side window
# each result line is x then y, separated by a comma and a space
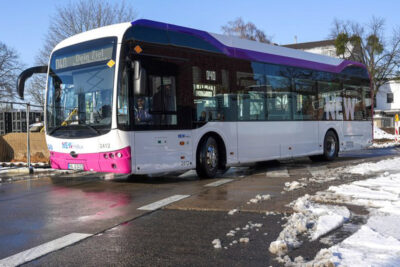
304, 97
211, 95
278, 98
162, 100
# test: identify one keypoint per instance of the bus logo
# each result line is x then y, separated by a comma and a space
333, 107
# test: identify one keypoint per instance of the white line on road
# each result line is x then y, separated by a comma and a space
163, 202
41, 250
219, 182
278, 173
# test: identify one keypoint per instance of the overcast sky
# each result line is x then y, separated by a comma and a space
24, 23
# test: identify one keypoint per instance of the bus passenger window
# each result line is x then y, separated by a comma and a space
355, 102
211, 97
328, 91
304, 99
278, 98
162, 100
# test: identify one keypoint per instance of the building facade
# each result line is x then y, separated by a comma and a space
387, 104
14, 120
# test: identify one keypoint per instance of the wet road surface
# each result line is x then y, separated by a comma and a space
123, 226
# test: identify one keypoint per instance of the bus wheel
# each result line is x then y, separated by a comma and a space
207, 159
331, 148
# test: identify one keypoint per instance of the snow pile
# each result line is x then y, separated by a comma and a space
380, 134
377, 243
259, 198
310, 219
244, 232
380, 166
384, 145
244, 240
232, 212
216, 243
366, 247
290, 186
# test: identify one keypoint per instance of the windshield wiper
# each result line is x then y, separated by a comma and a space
91, 128
56, 129
94, 130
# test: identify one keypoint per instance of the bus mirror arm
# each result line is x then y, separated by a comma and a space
26, 74
137, 73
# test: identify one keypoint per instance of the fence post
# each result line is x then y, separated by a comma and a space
28, 153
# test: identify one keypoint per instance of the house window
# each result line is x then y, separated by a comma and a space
389, 98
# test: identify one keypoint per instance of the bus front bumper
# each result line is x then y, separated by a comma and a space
118, 161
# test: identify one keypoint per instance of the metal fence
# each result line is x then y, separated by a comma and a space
13, 116
19, 120
384, 122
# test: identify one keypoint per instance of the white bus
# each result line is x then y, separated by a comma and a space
149, 98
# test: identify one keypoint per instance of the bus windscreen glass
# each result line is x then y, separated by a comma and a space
80, 86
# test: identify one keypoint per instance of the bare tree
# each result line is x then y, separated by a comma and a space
9, 70
367, 44
245, 31
76, 17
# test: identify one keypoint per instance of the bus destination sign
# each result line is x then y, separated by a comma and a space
84, 58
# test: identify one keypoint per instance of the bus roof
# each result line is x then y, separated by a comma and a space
257, 51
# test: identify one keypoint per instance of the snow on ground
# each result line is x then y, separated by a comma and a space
290, 186
384, 145
311, 220
377, 243
241, 232
380, 134
392, 164
258, 198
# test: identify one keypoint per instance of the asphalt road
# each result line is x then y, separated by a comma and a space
120, 228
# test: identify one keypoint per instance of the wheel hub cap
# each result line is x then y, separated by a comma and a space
211, 156
330, 145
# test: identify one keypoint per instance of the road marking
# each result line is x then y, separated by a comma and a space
318, 171
163, 202
278, 173
219, 182
41, 250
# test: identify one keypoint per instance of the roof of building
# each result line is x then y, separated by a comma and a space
310, 45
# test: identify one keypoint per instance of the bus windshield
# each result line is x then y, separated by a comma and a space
80, 86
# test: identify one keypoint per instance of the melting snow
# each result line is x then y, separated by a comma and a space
377, 243
259, 198
380, 134
216, 243
231, 212
290, 186
310, 219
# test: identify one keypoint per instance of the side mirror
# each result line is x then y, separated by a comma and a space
26, 74
139, 79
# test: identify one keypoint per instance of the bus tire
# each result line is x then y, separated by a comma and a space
331, 148
207, 158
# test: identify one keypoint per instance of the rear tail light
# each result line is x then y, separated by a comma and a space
105, 156
119, 155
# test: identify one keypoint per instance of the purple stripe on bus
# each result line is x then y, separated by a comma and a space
249, 54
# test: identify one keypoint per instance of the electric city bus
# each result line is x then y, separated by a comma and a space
150, 98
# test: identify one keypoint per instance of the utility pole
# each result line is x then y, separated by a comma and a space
28, 150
